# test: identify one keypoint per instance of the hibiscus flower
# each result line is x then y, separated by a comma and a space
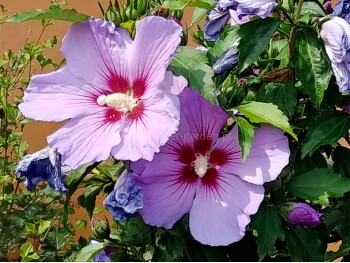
115, 91
200, 173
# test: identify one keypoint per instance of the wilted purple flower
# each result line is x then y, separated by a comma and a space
335, 34
328, 7
227, 61
125, 200
239, 12
44, 165
199, 173
342, 9
115, 92
304, 215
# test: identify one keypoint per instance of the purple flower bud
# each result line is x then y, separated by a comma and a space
242, 83
227, 61
304, 215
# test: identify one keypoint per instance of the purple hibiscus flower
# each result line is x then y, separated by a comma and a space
200, 173
115, 91
237, 11
335, 34
304, 215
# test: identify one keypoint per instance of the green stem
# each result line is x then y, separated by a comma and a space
291, 37
285, 12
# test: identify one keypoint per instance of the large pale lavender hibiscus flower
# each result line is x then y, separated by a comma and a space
199, 173
115, 91
335, 34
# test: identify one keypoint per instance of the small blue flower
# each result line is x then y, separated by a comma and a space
44, 165
227, 61
125, 200
342, 9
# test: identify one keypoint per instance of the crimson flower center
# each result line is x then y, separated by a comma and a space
119, 101
200, 165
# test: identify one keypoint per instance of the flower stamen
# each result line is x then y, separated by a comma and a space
119, 101
200, 165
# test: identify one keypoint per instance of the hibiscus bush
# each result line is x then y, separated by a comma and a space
236, 149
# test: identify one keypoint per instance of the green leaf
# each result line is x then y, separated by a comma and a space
75, 177
81, 224
255, 37
222, 45
30, 228
88, 252
326, 128
311, 64
199, 13
315, 183
268, 224
193, 65
53, 13
136, 232
57, 240
181, 4
280, 94
341, 158
245, 136
258, 112
43, 226
26, 249
304, 244
312, 8
87, 200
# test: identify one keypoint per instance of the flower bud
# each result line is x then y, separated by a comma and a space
100, 229
113, 15
304, 215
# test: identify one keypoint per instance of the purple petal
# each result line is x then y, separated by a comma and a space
94, 49
154, 46
86, 139
200, 117
166, 198
268, 156
176, 84
216, 21
58, 96
262, 8
336, 37
141, 138
219, 216
235, 19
